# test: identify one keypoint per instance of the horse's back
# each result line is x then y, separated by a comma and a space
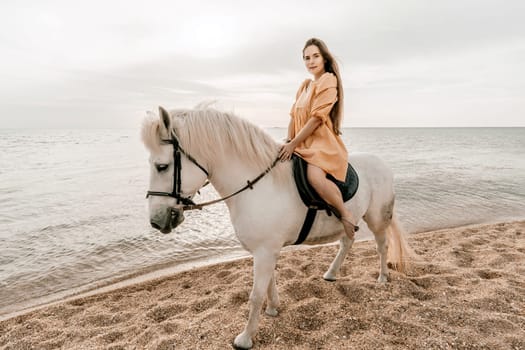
369, 167
376, 180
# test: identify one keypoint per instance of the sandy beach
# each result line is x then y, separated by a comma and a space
466, 292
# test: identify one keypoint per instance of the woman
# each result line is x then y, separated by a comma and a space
314, 130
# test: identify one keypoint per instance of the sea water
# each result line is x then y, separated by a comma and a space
73, 215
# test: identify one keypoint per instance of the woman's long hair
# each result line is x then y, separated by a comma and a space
336, 114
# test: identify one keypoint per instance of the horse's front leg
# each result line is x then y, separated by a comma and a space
264, 262
272, 302
345, 244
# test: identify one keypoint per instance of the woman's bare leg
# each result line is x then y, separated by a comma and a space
331, 194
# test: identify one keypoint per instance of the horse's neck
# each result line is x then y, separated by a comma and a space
231, 175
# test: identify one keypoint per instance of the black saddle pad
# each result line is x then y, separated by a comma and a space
309, 196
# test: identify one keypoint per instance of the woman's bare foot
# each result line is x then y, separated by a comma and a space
350, 228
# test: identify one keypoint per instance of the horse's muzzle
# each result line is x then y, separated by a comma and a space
167, 219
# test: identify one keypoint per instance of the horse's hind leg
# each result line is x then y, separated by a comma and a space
345, 244
382, 250
378, 224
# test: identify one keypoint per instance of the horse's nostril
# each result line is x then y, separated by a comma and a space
154, 225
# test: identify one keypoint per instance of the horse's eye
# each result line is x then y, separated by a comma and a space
161, 167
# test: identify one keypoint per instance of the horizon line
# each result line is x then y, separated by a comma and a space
279, 127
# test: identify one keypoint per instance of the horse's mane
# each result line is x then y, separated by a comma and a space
209, 134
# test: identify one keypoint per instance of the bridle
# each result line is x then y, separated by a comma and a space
177, 179
188, 203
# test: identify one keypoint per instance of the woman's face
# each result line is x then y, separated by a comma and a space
314, 61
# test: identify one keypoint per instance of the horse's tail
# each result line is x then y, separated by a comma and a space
400, 255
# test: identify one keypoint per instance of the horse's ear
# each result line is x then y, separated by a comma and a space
165, 118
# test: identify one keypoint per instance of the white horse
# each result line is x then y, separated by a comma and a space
228, 151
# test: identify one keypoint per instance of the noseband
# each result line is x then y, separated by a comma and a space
176, 193
188, 203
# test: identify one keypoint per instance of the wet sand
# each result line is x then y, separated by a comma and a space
466, 292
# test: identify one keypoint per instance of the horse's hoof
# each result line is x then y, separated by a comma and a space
238, 347
329, 277
242, 342
382, 279
271, 312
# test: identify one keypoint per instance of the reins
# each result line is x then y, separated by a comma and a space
249, 185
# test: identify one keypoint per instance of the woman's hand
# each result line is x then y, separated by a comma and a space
287, 150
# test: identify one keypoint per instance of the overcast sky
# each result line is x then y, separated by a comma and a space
102, 63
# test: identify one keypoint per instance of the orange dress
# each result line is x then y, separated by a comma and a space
323, 148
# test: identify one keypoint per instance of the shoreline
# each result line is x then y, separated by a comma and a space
466, 292
110, 284
165, 270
